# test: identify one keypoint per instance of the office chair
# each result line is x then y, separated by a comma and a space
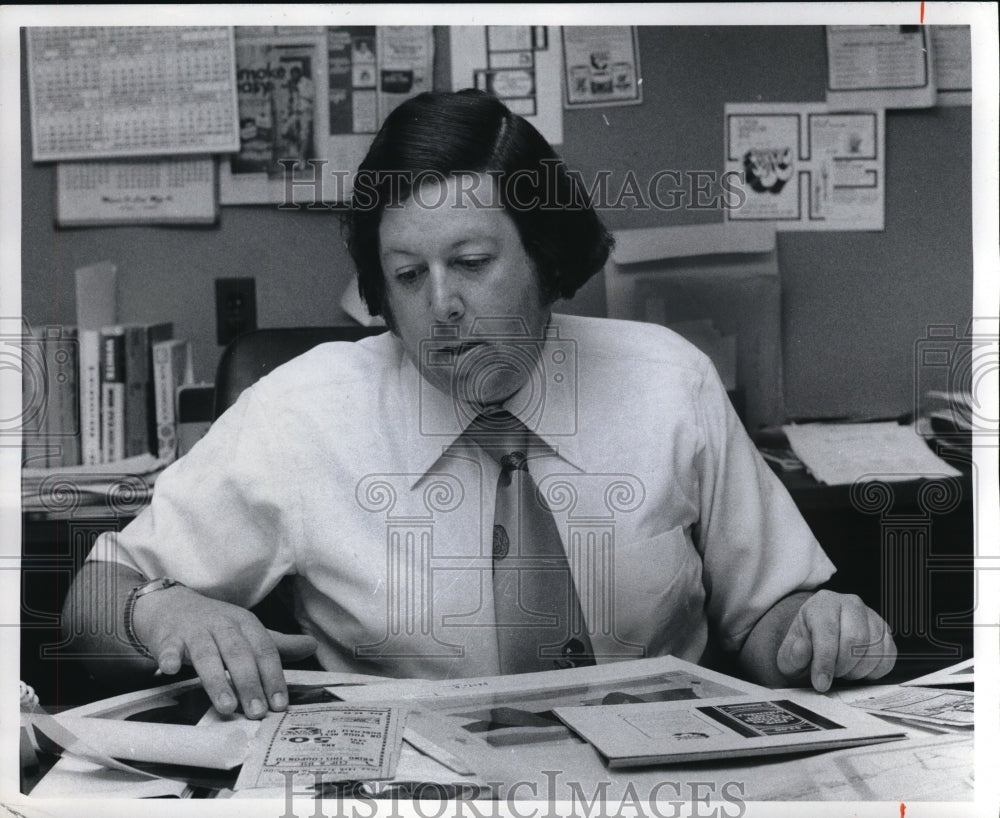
247, 359
252, 355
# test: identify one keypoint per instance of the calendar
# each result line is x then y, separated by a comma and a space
110, 92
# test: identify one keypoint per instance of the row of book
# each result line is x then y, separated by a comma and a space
99, 396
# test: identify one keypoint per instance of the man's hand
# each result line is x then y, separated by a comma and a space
836, 636
180, 625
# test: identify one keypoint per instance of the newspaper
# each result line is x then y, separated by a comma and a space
324, 742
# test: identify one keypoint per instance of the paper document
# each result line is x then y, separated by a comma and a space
846, 453
954, 708
215, 746
327, 742
879, 66
492, 724
680, 731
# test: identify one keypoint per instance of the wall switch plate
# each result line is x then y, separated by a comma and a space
235, 308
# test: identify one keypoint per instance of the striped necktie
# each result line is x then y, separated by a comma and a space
539, 622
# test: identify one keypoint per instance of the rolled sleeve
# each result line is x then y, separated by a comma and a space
755, 545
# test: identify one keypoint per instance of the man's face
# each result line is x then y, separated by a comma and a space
458, 279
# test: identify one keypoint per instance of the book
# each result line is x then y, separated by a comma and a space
112, 394
90, 396
142, 387
62, 418
674, 732
172, 368
34, 403
96, 307
138, 403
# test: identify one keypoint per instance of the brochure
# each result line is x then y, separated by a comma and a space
671, 732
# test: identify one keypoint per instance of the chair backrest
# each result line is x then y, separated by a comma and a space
252, 355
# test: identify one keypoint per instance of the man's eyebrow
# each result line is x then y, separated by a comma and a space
454, 245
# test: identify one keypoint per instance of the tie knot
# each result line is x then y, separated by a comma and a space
514, 461
503, 437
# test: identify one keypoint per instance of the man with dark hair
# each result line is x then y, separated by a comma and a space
489, 488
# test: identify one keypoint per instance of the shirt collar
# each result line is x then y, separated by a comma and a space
546, 403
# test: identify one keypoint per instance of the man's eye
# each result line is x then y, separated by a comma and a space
408, 276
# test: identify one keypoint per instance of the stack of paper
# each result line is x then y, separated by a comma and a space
846, 453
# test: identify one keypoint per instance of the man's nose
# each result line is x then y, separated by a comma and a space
447, 304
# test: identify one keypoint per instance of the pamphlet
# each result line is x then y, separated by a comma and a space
946, 708
326, 741
670, 732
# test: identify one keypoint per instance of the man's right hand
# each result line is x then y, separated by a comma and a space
180, 625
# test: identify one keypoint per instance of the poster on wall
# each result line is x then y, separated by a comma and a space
601, 66
311, 98
280, 79
879, 67
518, 64
806, 168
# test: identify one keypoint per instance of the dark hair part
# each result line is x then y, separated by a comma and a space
442, 134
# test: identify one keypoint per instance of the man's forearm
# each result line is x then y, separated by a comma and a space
93, 619
760, 650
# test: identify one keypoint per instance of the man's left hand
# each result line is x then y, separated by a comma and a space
836, 636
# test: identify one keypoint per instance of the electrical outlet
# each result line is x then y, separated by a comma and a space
235, 308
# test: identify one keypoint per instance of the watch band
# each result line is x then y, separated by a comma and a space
160, 584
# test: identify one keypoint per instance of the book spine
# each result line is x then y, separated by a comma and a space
112, 395
34, 400
170, 368
155, 333
90, 397
62, 419
136, 377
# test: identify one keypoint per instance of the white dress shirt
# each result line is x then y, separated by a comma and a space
345, 468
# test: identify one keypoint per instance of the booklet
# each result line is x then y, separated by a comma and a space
670, 732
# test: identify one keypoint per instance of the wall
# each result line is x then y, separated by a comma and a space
854, 304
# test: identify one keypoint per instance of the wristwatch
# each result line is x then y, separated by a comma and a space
160, 584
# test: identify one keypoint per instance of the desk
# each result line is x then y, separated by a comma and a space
923, 767
906, 549
54, 544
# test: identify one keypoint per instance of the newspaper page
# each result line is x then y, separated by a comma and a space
327, 742
104, 92
172, 190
